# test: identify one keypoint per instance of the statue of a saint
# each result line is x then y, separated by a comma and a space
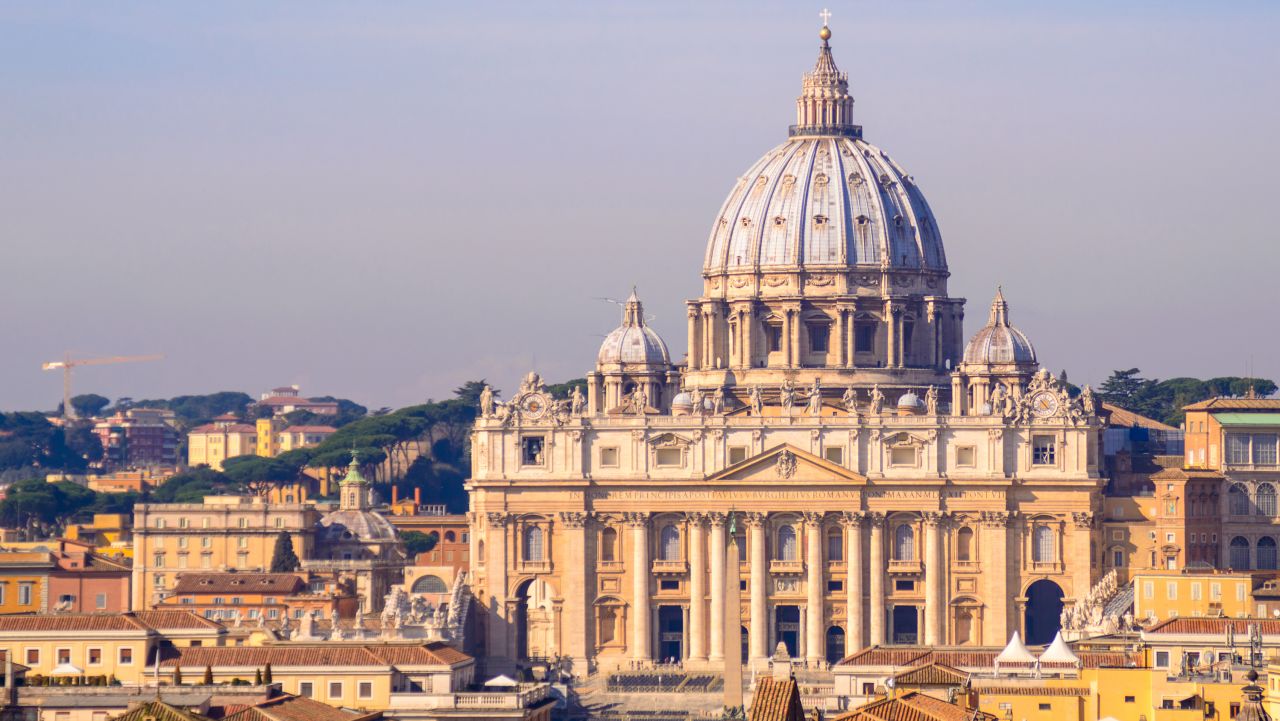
717, 402
757, 401
1087, 402
787, 396
877, 400
486, 402
931, 401
577, 403
850, 400
815, 399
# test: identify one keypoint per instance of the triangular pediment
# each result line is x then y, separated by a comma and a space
787, 464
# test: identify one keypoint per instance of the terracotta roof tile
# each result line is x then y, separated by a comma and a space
159, 711
326, 655
174, 620
72, 622
931, 674
1124, 417
297, 708
1235, 404
310, 429
1216, 626
238, 583
776, 700
913, 707
964, 658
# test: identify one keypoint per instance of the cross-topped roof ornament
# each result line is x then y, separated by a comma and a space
826, 17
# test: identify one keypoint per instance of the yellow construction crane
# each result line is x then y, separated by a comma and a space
68, 363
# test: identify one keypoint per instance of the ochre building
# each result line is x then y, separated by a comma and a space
887, 478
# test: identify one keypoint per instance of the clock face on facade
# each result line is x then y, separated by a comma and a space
1044, 404
533, 405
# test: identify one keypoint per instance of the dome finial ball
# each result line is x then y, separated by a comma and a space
825, 33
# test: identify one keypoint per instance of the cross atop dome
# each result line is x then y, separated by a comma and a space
825, 106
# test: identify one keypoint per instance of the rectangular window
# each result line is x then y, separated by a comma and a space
1171, 588
206, 542
668, 585
835, 454
1215, 591
1196, 591
1045, 707
904, 585
242, 542
64, 656
306, 689
1117, 558
126, 656
365, 689
819, 337
33, 657
159, 560
773, 332
24, 594
966, 457
835, 586
864, 340
1238, 449
183, 522
1240, 593
335, 689
609, 457
1162, 661
182, 541
737, 454
1044, 451
1264, 449
1148, 589
95, 657
669, 457
902, 456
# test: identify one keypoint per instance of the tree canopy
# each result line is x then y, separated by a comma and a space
32, 445
1163, 399
283, 557
194, 410
88, 405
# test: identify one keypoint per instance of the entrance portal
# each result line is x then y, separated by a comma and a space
534, 621
670, 634
906, 625
1044, 612
787, 619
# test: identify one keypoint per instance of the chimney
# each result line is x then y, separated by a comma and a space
395, 495
417, 498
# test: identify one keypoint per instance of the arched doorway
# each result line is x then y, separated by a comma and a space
1044, 612
670, 634
534, 620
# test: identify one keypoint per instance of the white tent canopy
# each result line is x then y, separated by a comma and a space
1015, 652
501, 681
1059, 652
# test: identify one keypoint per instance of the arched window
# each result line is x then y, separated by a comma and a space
964, 544
1266, 500
835, 545
430, 584
608, 545
533, 543
1238, 500
669, 543
786, 543
1239, 554
1267, 553
1042, 545
904, 543
450, 537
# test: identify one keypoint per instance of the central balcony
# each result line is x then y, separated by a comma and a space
662, 566
906, 567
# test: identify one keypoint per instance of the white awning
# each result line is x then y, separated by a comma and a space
1059, 652
1015, 652
503, 681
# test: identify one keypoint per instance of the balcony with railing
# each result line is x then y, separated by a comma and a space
516, 698
664, 565
527, 566
779, 565
905, 566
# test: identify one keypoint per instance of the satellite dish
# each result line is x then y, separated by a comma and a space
889, 682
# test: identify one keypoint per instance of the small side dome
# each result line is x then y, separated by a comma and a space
999, 343
682, 404
633, 342
909, 401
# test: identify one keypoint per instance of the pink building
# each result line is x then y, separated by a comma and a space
84, 582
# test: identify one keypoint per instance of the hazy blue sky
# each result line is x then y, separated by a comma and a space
382, 200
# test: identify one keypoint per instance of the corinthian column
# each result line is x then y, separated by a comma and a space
697, 587
877, 578
995, 565
640, 572
717, 585
575, 591
813, 585
759, 594
933, 574
855, 615
695, 336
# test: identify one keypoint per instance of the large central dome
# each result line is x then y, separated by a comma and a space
824, 203
824, 264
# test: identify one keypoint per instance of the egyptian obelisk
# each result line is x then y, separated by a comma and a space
732, 617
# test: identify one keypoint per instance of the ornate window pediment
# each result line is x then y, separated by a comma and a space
670, 440
899, 440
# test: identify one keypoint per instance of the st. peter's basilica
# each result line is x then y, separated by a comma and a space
886, 482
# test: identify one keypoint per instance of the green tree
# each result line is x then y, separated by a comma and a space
193, 485
283, 557
257, 677
416, 542
208, 676
88, 405
266, 675
177, 675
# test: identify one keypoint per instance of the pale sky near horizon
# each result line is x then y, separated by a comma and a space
382, 200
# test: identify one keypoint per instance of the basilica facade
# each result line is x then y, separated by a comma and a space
885, 478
